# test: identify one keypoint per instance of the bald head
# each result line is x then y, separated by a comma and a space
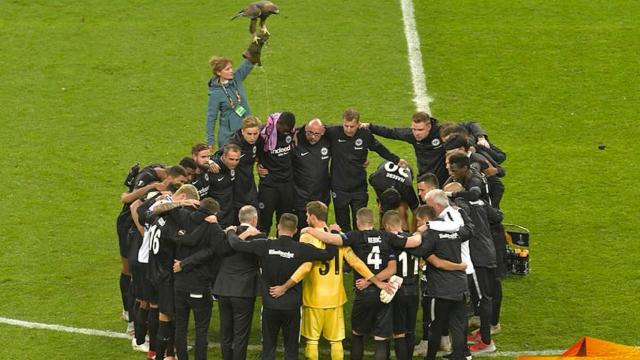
314, 130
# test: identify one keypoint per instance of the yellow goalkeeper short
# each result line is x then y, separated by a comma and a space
326, 322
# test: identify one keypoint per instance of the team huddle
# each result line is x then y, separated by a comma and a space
198, 232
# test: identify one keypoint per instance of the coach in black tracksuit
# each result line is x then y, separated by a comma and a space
245, 191
427, 144
275, 189
279, 259
236, 287
221, 189
311, 168
446, 290
350, 146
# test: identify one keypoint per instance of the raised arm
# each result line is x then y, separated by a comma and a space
134, 215
243, 70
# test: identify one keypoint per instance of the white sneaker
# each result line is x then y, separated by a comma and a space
445, 344
131, 331
420, 349
142, 347
495, 329
125, 315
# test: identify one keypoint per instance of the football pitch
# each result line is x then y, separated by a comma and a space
90, 88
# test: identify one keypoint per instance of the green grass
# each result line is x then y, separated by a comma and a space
90, 88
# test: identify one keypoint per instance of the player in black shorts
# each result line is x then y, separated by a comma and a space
369, 315
161, 258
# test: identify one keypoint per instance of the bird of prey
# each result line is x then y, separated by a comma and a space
258, 10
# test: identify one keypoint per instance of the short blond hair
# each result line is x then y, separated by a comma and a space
189, 191
365, 216
250, 121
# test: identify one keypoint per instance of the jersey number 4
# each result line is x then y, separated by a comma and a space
374, 258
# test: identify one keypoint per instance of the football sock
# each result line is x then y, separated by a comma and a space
382, 347
400, 347
410, 340
153, 324
311, 351
337, 352
125, 281
357, 347
171, 348
164, 335
140, 325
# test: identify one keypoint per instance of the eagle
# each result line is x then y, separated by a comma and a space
258, 10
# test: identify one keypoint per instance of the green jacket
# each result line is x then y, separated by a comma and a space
219, 105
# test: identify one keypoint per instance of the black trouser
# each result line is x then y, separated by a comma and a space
236, 314
200, 304
346, 205
482, 294
277, 198
272, 321
452, 313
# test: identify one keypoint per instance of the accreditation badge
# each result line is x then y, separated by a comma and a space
240, 110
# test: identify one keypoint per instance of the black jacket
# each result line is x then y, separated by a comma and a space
279, 259
239, 273
349, 154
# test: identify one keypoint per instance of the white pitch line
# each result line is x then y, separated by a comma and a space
113, 334
62, 328
421, 99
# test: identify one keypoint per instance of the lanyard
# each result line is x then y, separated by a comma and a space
224, 88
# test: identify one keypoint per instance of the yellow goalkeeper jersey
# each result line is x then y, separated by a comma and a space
323, 285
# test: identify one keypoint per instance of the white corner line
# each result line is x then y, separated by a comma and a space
421, 99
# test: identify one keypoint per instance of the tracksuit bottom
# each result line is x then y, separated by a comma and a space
346, 205
200, 304
445, 312
277, 198
272, 321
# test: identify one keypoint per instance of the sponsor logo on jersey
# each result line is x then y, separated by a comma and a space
140, 183
181, 232
281, 151
341, 140
448, 236
304, 153
284, 254
220, 179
